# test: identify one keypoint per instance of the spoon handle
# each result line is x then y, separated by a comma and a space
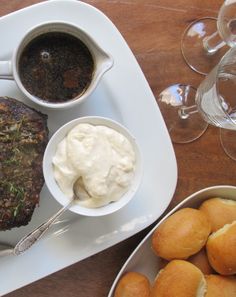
27, 241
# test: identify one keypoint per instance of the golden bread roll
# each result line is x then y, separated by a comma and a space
219, 212
200, 260
179, 279
181, 235
220, 286
221, 249
133, 284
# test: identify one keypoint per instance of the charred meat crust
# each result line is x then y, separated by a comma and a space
23, 138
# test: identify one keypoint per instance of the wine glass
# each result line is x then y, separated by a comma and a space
207, 39
177, 105
214, 102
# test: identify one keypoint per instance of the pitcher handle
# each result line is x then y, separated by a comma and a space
6, 70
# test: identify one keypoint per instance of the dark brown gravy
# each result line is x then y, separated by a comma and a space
56, 67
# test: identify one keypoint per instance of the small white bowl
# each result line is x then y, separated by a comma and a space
53, 186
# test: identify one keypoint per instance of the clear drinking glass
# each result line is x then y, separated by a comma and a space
204, 41
213, 103
216, 100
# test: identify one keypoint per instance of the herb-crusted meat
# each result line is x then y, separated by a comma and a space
23, 138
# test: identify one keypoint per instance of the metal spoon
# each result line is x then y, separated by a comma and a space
27, 241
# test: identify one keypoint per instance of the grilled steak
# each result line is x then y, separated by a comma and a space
23, 138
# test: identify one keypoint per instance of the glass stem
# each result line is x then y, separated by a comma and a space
185, 111
213, 43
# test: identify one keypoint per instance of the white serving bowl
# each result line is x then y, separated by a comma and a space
53, 186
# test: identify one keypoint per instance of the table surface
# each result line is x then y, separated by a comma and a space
152, 29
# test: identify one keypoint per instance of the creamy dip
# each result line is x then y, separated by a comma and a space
97, 161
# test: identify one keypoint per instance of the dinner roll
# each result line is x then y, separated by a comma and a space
220, 286
179, 279
200, 260
133, 284
181, 235
221, 249
219, 212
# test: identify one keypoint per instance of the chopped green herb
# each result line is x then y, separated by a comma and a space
18, 208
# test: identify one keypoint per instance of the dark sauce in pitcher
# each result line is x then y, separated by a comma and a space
56, 67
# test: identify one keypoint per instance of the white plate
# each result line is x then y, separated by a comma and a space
143, 259
123, 95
